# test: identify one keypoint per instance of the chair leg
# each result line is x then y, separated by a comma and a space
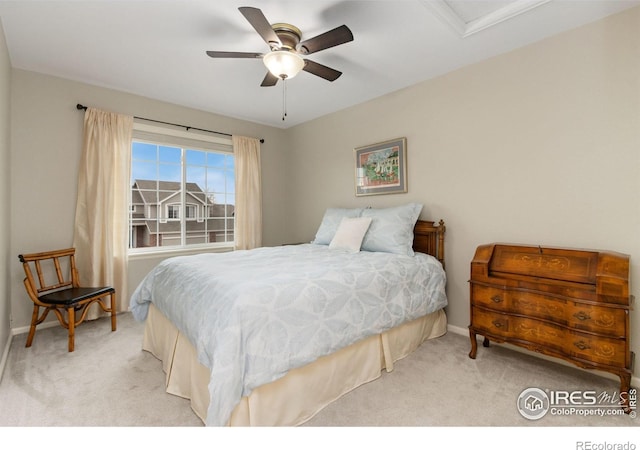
32, 328
71, 313
113, 311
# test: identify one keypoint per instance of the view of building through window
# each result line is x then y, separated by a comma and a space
180, 196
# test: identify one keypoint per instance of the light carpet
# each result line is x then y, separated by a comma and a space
110, 381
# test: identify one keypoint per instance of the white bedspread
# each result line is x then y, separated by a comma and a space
252, 315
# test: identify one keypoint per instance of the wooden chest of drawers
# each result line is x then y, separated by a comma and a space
567, 303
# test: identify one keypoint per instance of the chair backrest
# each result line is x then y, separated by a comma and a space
48, 271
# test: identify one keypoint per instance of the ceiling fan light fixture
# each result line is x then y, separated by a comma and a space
283, 64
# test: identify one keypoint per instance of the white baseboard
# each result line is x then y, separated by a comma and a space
5, 355
635, 381
458, 330
42, 326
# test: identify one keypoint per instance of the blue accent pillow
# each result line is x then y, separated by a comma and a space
331, 222
391, 229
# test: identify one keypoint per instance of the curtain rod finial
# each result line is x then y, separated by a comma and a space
79, 106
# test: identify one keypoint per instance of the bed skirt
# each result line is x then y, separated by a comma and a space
303, 392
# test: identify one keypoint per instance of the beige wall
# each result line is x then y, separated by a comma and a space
45, 150
540, 146
5, 257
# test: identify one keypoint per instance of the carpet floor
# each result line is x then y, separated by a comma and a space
109, 381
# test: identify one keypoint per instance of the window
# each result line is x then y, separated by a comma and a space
182, 192
173, 211
191, 211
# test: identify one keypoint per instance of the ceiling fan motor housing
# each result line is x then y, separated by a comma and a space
289, 36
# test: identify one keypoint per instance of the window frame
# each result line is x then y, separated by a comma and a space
173, 211
188, 208
185, 140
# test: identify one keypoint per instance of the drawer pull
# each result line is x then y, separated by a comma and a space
581, 345
582, 315
496, 299
497, 324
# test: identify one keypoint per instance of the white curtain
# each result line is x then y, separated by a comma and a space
248, 209
101, 228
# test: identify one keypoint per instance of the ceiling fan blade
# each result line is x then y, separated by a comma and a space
214, 54
258, 21
320, 70
337, 36
269, 80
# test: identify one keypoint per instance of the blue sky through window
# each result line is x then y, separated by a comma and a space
213, 172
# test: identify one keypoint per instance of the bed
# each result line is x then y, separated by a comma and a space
298, 326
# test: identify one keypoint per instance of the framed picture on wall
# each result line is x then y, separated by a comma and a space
381, 168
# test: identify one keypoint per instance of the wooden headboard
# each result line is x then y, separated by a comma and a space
429, 238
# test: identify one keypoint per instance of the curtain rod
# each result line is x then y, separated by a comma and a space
79, 107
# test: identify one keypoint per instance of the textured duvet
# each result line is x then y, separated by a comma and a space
253, 315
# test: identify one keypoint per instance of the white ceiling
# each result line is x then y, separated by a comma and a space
156, 48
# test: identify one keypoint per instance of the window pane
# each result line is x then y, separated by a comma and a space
216, 180
144, 171
196, 157
173, 212
169, 172
230, 181
197, 175
170, 154
230, 162
216, 159
144, 151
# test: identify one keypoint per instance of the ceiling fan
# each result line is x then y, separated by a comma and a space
286, 57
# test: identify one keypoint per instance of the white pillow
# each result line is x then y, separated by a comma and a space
391, 229
350, 234
331, 221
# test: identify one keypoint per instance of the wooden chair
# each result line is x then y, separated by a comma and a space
56, 288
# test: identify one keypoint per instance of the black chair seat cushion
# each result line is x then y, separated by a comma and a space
75, 295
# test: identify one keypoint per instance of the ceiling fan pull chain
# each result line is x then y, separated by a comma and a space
284, 98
